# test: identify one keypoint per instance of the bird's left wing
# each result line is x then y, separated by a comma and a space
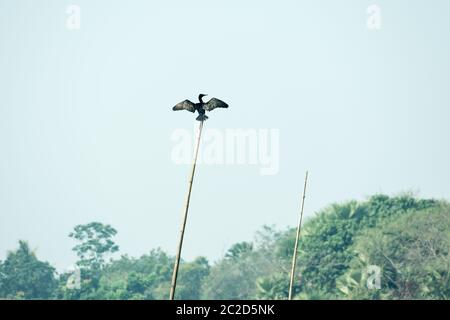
215, 103
185, 105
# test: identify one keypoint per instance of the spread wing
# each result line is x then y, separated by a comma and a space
215, 103
185, 105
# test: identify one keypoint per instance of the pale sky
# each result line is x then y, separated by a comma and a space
86, 120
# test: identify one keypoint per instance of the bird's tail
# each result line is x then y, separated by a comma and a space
202, 117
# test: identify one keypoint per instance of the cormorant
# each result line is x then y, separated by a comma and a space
201, 107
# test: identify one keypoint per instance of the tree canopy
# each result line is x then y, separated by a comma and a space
399, 243
23, 276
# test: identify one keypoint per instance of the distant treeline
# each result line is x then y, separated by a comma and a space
381, 248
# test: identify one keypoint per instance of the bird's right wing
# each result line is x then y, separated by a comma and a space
185, 105
215, 103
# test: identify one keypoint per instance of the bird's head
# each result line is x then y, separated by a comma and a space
201, 96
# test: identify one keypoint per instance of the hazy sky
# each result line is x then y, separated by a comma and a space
86, 120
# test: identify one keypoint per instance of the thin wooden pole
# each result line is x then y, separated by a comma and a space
184, 218
299, 228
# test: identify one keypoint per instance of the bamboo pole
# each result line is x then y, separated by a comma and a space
184, 218
299, 228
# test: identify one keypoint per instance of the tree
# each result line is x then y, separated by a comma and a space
413, 254
192, 275
273, 286
326, 248
236, 276
239, 249
407, 238
95, 244
325, 253
138, 286
94, 247
22, 275
147, 277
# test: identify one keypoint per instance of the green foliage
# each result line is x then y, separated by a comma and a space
95, 244
231, 279
413, 253
93, 248
191, 277
273, 286
23, 276
144, 278
326, 252
408, 238
238, 250
147, 277
133, 278
236, 276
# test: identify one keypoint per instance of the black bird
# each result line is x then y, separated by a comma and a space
201, 106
